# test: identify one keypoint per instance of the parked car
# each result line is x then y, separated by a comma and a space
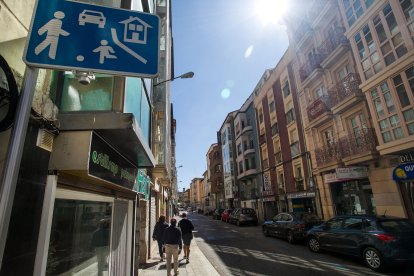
290, 226
226, 215
378, 240
217, 213
241, 216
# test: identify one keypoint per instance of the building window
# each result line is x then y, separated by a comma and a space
407, 7
237, 128
401, 91
328, 137
391, 129
290, 116
353, 10
359, 124
272, 106
286, 89
370, 60
218, 168
260, 115
239, 149
390, 38
274, 129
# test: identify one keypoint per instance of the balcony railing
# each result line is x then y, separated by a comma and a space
309, 66
328, 154
278, 157
320, 106
334, 39
360, 142
294, 149
348, 87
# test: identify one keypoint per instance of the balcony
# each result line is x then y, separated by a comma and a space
328, 154
351, 149
278, 157
348, 89
313, 63
294, 149
319, 107
362, 142
334, 47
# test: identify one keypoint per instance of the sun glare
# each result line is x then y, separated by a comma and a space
270, 11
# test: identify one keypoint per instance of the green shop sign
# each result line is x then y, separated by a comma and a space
106, 163
143, 184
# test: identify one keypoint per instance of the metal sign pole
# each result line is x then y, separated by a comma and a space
14, 154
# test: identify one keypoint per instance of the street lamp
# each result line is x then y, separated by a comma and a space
187, 75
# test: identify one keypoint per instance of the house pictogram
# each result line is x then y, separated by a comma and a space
135, 30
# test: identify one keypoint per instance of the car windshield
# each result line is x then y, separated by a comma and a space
248, 211
396, 225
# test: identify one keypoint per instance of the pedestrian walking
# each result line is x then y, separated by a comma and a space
187, 228
158, 234
173, 245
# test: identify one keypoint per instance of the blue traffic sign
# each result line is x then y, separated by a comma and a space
69, 35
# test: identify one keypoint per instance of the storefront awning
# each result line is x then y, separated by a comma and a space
118, 129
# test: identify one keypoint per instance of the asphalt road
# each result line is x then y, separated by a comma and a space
234, 250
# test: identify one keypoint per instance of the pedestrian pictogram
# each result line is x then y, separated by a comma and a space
53, 30
93, 38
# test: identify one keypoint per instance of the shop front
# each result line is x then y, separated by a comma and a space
403, 175
88, 217
351, 191
300, 202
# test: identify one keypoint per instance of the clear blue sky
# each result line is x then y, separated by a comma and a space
228, 47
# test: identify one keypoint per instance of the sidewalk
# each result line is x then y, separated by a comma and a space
199, 265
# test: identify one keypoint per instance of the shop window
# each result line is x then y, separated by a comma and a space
80, 238
97, 96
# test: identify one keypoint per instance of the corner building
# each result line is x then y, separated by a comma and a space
381, 37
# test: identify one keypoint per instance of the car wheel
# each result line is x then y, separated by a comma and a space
290, 237
314, 245
265, 231
373, 259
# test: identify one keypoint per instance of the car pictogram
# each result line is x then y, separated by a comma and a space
93, 17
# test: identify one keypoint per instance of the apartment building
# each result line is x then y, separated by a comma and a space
215, 175
79, 139
287, 179
248, 156
226, 141
380, 34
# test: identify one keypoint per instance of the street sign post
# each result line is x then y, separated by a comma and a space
68, 35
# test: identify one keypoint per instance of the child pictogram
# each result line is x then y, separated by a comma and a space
105, 51
53, 30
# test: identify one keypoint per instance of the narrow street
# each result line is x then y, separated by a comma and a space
245, 250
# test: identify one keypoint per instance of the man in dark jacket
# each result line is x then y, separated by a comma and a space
187, 228
173, 245
158, 234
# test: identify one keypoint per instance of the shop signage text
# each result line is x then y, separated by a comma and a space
107, 164
404, 172
407, 157
301, 195
344, 174
143, 184
268, 199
